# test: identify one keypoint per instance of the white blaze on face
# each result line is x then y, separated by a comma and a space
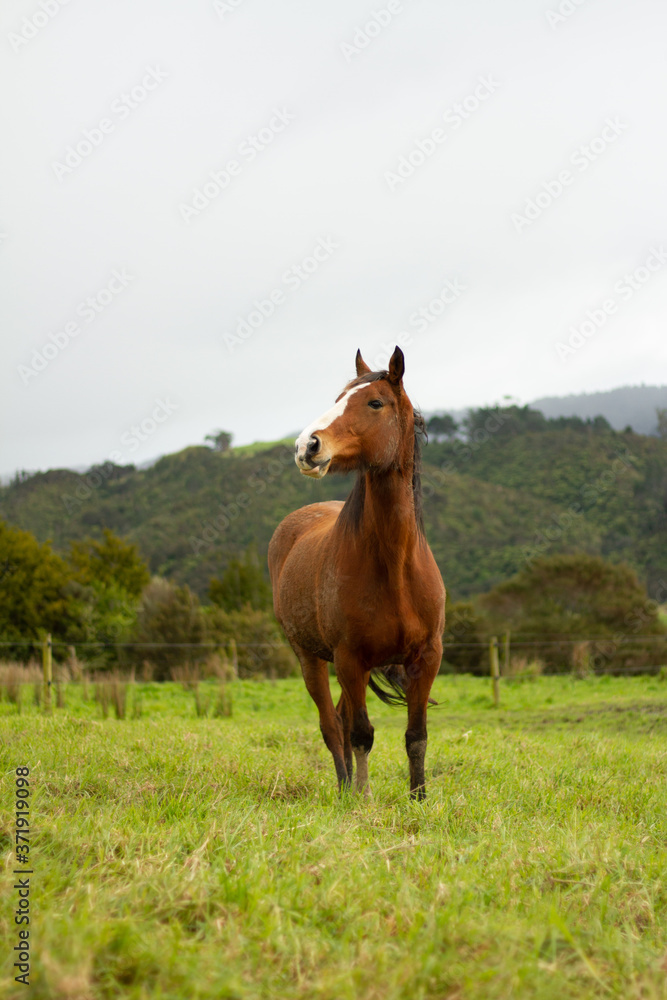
325, 420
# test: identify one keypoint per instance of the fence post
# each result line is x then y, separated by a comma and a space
506, 652
47, 666
234, 656
495, 673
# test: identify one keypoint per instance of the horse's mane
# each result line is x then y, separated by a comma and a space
354, 504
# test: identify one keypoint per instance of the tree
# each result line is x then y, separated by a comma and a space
111, 562
505, 421
220, 440
35, 593
168, 614
444, 426
661, 415
242, 584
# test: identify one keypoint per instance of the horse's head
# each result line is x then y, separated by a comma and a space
371, 425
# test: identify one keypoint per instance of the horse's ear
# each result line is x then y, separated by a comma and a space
396, 366
362, 367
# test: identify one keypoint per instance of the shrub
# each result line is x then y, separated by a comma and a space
466, 626
578, 596
523, 669
243, 583
582, 664
118, 695
168, 614
261, 648
11, 676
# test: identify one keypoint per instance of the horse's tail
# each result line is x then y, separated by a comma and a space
393, 691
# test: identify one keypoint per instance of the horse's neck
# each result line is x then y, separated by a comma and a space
384, 516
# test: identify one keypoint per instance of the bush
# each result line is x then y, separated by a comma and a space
465, 625
578, 597
168, 614
523, 669
243, 583
261, 648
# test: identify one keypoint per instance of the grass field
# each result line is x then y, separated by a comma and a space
176, 856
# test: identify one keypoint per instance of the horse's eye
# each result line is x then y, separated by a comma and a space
377, 404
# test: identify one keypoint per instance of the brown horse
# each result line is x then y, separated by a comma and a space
355, 583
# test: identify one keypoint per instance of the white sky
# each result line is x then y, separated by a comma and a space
219, 75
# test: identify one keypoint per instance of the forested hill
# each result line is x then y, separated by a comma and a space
510, 486
629, 405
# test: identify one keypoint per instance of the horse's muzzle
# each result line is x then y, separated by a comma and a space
315, 469
309, 457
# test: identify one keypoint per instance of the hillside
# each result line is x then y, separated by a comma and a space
629, 406
488, 504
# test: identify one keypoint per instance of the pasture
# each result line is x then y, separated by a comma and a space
181, 856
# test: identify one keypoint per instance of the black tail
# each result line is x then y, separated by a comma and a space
392, 692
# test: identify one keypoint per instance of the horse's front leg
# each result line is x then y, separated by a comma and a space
316, 675
420, 676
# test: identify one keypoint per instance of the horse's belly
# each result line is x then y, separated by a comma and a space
301, 624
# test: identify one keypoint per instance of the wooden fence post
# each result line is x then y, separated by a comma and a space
495, 673
506, 652
47, 665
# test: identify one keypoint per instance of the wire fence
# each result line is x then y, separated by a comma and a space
522, 641
596, 655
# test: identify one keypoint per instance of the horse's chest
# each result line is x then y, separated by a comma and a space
381, 615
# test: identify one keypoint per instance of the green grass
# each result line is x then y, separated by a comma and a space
185, 857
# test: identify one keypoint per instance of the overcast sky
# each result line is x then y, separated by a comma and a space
208, 206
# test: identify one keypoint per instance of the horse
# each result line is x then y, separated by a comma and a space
355, 583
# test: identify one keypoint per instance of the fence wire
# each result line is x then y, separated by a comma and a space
483, 644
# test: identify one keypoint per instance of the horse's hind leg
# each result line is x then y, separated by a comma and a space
420, 677
344, 711
316, 675
359, 732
